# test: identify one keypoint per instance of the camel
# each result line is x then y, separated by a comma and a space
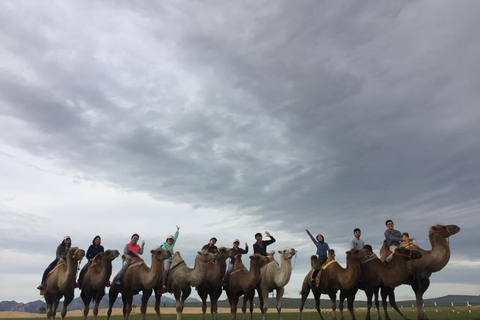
332, 278
95, 280
241, 280
138, 277
61, 283
272, 277
432, 261
376, 274
213, 285
181, 278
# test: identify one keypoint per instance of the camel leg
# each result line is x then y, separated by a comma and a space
183, 295
112, 296
127, 298
145, 296
68, 298
384, 304
263, 296
56, 300
419, 286
393, 302
233, 301
377, 303
248, 296
280, 292
304, 293
203, 295
214, 302
343, 295
158, 300
49, 303
333, 296
86, 302
98, 298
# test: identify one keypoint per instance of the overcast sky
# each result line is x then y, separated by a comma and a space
122, 117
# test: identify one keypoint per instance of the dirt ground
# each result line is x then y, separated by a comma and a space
118, 311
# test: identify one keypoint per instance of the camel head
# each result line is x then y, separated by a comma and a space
259, 260
75, 254
160, 254
287, 253
444, 231
356, 254
110, 255
224, 253
408, 254
206, 256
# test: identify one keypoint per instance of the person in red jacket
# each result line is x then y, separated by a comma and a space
131, 246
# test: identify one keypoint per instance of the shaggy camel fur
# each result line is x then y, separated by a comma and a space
332, 278
181, 278
432, 261
272, 277
376, 274
95, 280
213, 284
138, 277
241, 280
61, 283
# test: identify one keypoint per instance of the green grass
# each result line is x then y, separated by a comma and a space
443, 314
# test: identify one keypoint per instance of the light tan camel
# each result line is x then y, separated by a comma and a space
61, 283
272, 277
95, 280
213, 284
181, 278
241, 280
432, 261
138, 277
332, 278
376, 274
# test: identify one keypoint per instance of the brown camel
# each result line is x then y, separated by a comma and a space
95, 280
272, 277
213, 285
138, 277
332, 278
61, 283
376, 274
432, 261
181, 278
241, 280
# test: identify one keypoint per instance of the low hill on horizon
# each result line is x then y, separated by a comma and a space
287, 303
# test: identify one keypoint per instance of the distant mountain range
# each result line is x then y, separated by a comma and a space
287, 303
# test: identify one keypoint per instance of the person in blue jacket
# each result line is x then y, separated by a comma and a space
322, 251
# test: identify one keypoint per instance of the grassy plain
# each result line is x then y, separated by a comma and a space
442, 314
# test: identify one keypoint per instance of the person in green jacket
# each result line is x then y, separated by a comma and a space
168, 245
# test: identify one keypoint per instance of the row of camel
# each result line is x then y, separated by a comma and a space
411, 266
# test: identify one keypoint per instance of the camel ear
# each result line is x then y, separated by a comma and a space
199, 252
152, 251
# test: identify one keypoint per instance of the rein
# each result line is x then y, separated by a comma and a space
177, 265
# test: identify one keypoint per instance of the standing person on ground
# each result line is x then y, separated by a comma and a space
168, 246
356, 242
393, 237
94, 249
132, 246
60, 256
210, 246
261, 245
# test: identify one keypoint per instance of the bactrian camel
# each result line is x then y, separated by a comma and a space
212, 286
61, 283
138, 277
332, 278
376, 274
272, 277
241, 280
432, 261
181, 278
95, 280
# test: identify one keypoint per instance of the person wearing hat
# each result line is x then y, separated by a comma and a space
210, 246
61, 255
168, 246
236, 250
356, 242
261, 245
